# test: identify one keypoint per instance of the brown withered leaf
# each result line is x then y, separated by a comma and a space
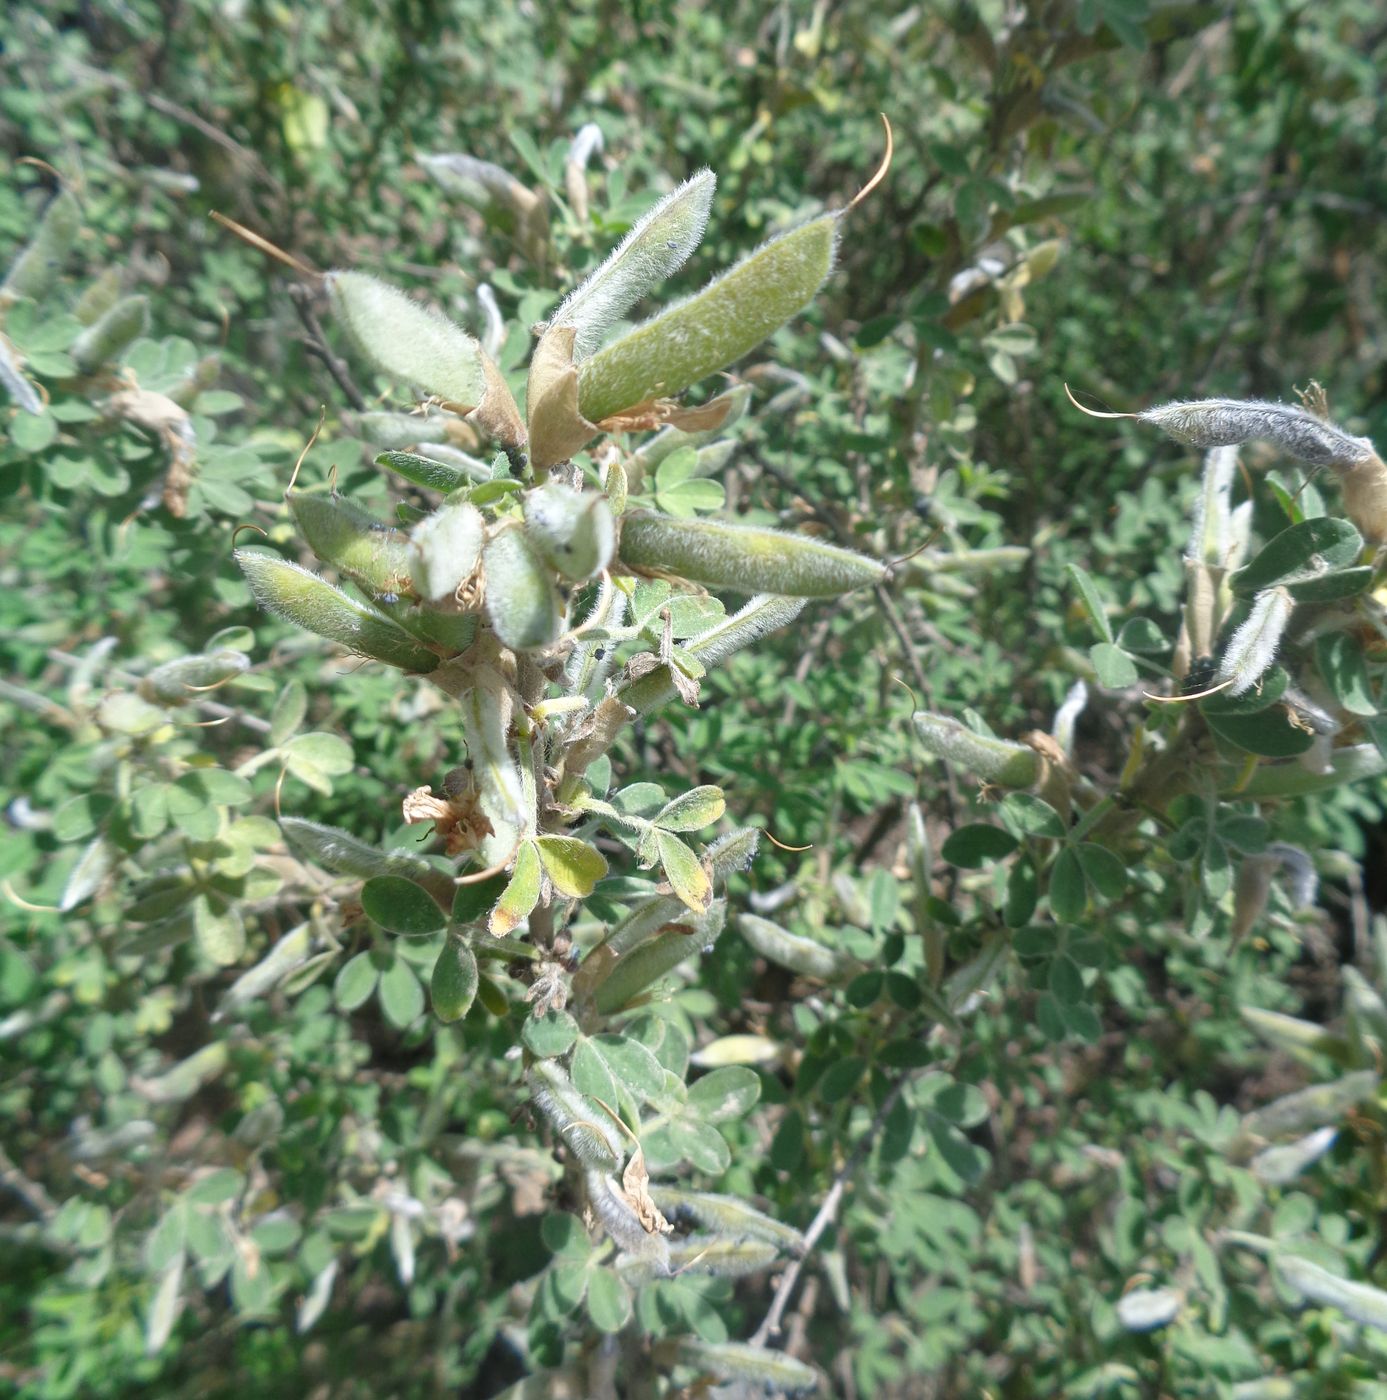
498, 415
669, 413
557, 428
635, 1182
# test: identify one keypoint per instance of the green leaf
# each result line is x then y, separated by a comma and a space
401, 996
1103, 870
725, 1093
1115, 669
1088, 592
1028, 815
609, 1300
1068, 893
693, 810
356, 980
398, 905
1304, 551
317, 758
684, 871
550, 1035
573, 867
564, 1234
472, 902
976, 844
1339, 656
1268, 733
454, 982
521, 894
288, 713
841, 1078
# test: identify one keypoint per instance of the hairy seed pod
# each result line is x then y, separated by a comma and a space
723, 1255
312, 603
187, 1076
726, 1215
657, 246
175, 682
1359, 1301
582, 1126
409, 342
1319, 1106
802, 955
289, 954
572, 531
438, 473
708, 331
107, 339
522, 604
744, 558
341, 853
1305, 1041
100, 295
761, 615
1146, 1309
1253, 646
14, 382
397, 431
1279, 1166
740, 1361
997, 761
651, 960
1209, 423
370, 552
1209, 536
37, 267
445, 549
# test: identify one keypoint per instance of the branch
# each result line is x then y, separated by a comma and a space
770, 1325
317, 345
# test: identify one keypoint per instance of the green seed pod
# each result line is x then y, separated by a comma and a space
400, 430
340, 852
650, 961
175, 682
582, 1126
743, 558
996, 761
100, 296
452, 630
287, 955
310, 602
726, 1215
739, 1361
104, 342
37, 267
433, 472
1347, 765
522, 603
710, 330
1319, 1106
655, 248
724, 1255
409, 342
445, 549
187, 1076
572, 531
370, 552
802, 955
1359, 1301
1305, 1041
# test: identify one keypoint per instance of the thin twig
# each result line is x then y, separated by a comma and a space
317, 345
770, 1325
